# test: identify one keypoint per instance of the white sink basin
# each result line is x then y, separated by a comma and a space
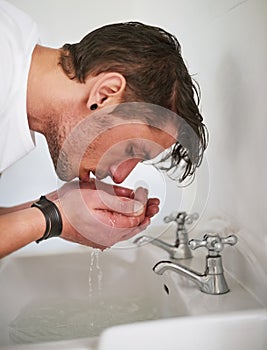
62, 296
78, 294
243, 330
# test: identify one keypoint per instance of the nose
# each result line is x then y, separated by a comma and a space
119, 172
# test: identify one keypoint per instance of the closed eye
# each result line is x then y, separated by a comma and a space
133, 152
130, 151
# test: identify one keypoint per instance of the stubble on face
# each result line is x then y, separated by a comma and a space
55, 137
68, 144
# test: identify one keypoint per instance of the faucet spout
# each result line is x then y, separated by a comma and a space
163, 266
176, 252
210, 282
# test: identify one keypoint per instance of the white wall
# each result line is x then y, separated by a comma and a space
225, 45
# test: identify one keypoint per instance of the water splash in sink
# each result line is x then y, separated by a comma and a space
61, 318
117, 292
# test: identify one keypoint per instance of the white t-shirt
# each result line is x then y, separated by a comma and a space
18, 37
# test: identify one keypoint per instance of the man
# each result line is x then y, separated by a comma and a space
103, 105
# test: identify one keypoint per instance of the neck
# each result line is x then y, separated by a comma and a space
44, 67
51, 96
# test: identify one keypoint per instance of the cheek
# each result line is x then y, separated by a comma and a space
93, 155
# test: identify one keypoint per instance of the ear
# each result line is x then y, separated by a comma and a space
107, 89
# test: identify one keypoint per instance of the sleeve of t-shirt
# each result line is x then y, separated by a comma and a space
6, 66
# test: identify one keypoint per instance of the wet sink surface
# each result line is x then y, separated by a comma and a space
75, 295
79, 299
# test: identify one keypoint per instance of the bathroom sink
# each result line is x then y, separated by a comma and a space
63, 296
242, 330
79, 293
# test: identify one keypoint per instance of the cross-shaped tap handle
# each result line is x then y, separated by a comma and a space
181, 217
213, 242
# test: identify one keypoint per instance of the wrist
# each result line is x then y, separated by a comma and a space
52, 217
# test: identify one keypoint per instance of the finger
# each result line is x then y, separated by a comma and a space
155, 201
141, 195
114, 189
145, 223
152, 207
123, 191
118, 221
152, 210
122, 205
137, 230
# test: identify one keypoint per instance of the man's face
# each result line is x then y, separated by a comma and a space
107, 143
117, 150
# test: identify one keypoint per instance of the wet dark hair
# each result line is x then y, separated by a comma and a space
150, 60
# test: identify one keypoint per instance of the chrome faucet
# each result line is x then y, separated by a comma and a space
212, 281
180, 249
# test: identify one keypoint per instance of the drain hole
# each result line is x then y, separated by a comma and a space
166, 289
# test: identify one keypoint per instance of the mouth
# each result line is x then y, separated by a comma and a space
85, 176
92, 174
101, 176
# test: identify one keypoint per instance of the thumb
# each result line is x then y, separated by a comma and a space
141, 194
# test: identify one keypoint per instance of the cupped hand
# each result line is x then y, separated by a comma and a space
99, 215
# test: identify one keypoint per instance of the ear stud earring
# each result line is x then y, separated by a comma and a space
93, 107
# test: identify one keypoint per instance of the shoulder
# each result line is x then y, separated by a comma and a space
16, 27
12, 17
18, 37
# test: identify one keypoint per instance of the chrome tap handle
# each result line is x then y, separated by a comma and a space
181, 217
180, 246
191, 218
170, 218
231, 240
197, 243
213, 242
